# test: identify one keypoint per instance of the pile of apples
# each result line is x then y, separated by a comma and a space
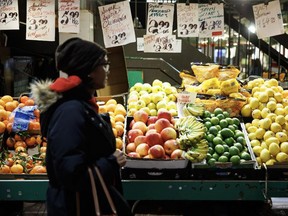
152, 137
152, 97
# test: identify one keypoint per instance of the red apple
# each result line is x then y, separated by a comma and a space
133, 133
140, 115
156, 151
170, 145
131, 124
130, 147
134, 155
162, 123
177, 154
168, 133
140, 125
151, 126
151, 120
165, 114
147, 157
142, 149
150, 131
140, 139
154, 139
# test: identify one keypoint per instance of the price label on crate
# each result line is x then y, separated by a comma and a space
184, 98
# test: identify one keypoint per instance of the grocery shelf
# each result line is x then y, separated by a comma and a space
35, 190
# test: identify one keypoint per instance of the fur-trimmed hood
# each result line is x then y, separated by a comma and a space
43, 96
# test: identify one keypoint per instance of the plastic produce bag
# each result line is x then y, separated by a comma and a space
205, 72
229, 72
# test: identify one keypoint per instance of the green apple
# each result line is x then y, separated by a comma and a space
161, 104
151, 105
156, 89
146, 98
140, 104
153, 112
138, 86
147, 87
168, 90
172, 97
156, 97
143, 92
157, 82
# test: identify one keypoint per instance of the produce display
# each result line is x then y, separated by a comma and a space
267, 123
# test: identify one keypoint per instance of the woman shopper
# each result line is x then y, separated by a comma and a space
77, 136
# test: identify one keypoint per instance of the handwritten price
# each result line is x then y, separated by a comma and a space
187, 29
118, 38
35, 24
70, 17
212, 25
6, 18
158, 27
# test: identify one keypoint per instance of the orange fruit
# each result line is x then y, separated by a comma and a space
16, 168
120, 123
37, 113
4, 169
43, 149
114, 131
15, 102
3, 115
17, 137
24, 98
10, 106
111, 101
34, 126
7, 98
38, 169
29, 102
9, 127
2, 103
2, 107
20, 105
38, 139
10, 142
20, 144
120, 130
119, 143
20, 149
2, 127
30, 141
102, 109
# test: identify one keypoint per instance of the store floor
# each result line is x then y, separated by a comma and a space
164, 208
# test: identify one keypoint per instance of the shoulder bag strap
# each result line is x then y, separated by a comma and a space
94, 192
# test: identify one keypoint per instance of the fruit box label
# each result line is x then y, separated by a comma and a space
186, 97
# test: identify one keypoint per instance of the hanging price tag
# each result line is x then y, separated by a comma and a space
69, 16
9, 15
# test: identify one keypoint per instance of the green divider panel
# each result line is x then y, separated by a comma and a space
134, 77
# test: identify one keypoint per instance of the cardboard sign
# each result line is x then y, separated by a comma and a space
187, 20
160, 19
211, 20
117, 24
9, 15
40, 20
268, 19
69, 16
162, 44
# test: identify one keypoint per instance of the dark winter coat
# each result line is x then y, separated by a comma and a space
78, 137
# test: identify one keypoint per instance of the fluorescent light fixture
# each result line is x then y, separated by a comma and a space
252, 28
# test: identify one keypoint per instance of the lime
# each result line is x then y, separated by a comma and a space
220, 116
231, 127
226, 132
226, 114
238, 133
209, 137
235, 159
208, 156
219, 149
207, 124
218, 127
223, 159
229, 120
241, 140
227, 154
229, 141
208, 119
215, 156
217, 111
223, 123
239, 146
236, 121
233, 150
217, 140
206, 114
210, 144
213, 130
245, 155
236, 127
215, 121
226, 148
212, 161
211, 150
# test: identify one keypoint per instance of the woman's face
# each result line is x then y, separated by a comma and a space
100, 75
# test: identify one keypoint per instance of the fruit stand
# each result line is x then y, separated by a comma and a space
219, 140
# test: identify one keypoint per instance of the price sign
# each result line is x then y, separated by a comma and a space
161, 44
211, 20
184, 98
40, 20
187, 20
160, 18
69, 16
268, 19
117, 24
9, 15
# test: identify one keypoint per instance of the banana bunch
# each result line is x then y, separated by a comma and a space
198, 152
190, 131
193, 109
